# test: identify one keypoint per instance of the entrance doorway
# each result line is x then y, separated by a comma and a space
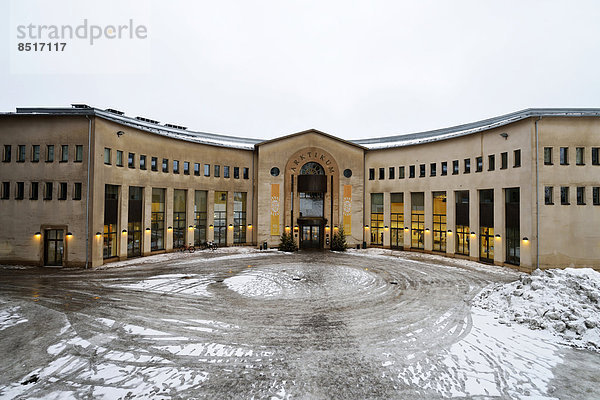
53, 247
310, 237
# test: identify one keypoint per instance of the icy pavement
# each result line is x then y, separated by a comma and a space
240, 323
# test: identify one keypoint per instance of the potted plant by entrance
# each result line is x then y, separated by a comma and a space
287, 243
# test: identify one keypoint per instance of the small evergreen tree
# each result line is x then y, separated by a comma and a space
287, 243
338, 241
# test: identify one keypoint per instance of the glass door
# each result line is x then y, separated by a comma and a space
53, 247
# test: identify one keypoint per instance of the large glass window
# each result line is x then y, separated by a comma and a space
439, 221
217, 171
165, 165
175, 166
400, 172
455, 167
371, 174
239, 217
111, 217
479, 166
417, 231
206, 169
377, 218
131, 160
513, 226
467, 165
444, 167
397, 220
134, 222
486, 224
581, 195
311, 204
157, 224
199, 217
462, 222
220, 218
179, 220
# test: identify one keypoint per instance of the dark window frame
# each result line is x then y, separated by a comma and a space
186, 167
154, 164
5, 191
207, 170
579, 151
491, 162
143, 164
236, 172
391, 172
196, 169
77, 190
504, 160
548, 156
35, 156
401, 172
20, 191
564, 156
131, 160
412, 171
62, 191
49, 153
422, 170
564, 196
119, 159
246, 173
479, 164
381, 173
444, 168
78, 153
48, 189
433, 169
595, 155
34, 191
64, 153
580, 195
549, 195
165, 165
7, 153
455, 167
371, 174
107, 151
21, 153
517, 158
467, 165
175, 166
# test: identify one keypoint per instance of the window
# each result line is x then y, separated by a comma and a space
411, 171
131, 160
175, 166
392, 173
186, 167
77, 191
371, 174
21, 153
111, 218
548, 195
157, 221
200, 215
581, 195
50, 153
491, 162
417, 231
503, 160
197, 169
179, 217
479, 164
35, 153
564, 156
377, 218
246, 173
7, 153
432, 169
220, 218
400, 172
33, 191
595, 156
48, 191
78, 153
467, 165
421, 170
142, 161
596, 195
106, 156
236, 172
20, 191
439, 221
119, 158
381, 173
62, 191
64, 154
206, 169
5, 190
239, 217
579, 159
444, 168
217, 171
564, 195
154, 164
165, 165
517, 160
226, 171
547, 155
455, 167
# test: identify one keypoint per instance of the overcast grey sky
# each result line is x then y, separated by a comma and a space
354, 69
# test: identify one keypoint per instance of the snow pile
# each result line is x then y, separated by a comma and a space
565, 302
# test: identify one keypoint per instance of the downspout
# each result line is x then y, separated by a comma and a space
87, 195
537, 196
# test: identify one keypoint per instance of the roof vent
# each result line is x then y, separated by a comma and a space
147, 120
183, 128
80, 106
112, 110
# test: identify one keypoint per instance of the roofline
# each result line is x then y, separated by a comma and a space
351, 143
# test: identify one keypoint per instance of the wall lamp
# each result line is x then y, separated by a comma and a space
120, 133
498, 236
406, 228
525, 239
230, 226
450, 231
98, 234
504, 135
249, 226
335, 228
38, 235
69, 235
472, 233
124, 231
147, 230
191, 227
169, 228
296, 228
426, 229
385, 228
210, 226
326, 228
366, 227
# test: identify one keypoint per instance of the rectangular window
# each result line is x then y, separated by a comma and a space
564, 156
21, 153
239, 217
547, 155
439, 221
131, 160
421, 170
48, 191
206, 169
106, 156
432, 169
142, 161
111, 218
381, 173
197, 169
199, 216
417, 220
579, 159
517, 160
77, 191
411, 171
397, 220
6, 156
596, 195
444, 168
20, 191
179, 217
217, 171
377, 218
34, 191
581, 195
392, 173
236, 172
246, 173
455, 167
400, 172
595, 155
467, 165
157, 221
78, 153
5, 190
462, 240
226, 171
371, 174
491, 162
186, 167
62, 191
220, 219
175, 166
479, 166
154, 164
35, 153
503, 160
564, 195
119, 158
165, 165
548, 195
50, 153
64, 154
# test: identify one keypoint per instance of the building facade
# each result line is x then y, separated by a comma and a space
82, 187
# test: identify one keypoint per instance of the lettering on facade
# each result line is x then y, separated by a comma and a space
303, 158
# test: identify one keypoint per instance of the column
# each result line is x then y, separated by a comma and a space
189, 216
123, 220
387, 206
210, 215
428, 220
474, 224
229, 218
450, 221
499, 226
146, 220
169, 218
407, 219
